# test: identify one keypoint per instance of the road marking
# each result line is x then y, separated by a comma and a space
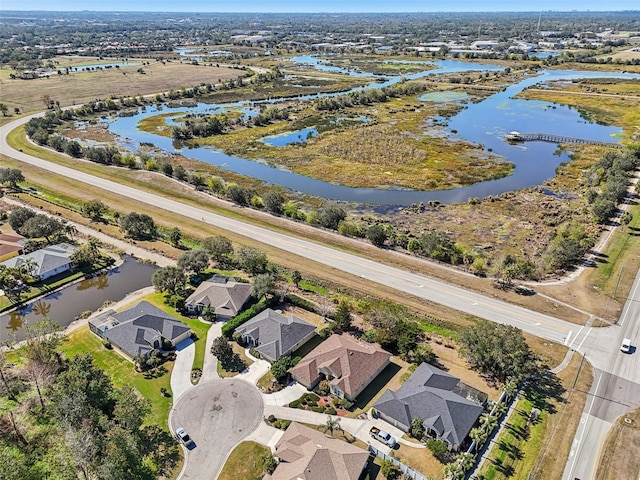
635, 289
568, 337
578, 334
593, 399
585, 337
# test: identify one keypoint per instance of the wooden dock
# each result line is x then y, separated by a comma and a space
550, 137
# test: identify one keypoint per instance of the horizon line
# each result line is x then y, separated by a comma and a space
321, 12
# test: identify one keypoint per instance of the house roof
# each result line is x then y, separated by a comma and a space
275, 334
227, 298
45, 259
134, 330
353, 363
432, 395
12, 238
306, 454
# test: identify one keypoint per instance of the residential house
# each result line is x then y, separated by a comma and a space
307, 454
348, 364
139, 330
225, 297
273, 335
441, 400
46, 262
11, 245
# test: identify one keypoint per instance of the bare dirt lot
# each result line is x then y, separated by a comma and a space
620, 457
82, 87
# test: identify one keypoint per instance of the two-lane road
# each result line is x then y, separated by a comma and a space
600, 344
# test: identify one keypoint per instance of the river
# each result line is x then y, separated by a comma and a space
483, 123
68, 303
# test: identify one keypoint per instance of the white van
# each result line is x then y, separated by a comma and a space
626, 345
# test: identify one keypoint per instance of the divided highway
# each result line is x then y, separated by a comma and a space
616, 386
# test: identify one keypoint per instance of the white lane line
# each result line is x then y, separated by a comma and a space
566, 342
635, 290
585, 337
577, 334
593, 399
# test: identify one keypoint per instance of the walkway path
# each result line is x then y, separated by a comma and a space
255, 371
210, 367
181, 374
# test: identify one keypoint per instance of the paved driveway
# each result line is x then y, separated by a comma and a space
217, 414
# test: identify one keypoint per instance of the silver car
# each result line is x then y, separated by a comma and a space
184, 437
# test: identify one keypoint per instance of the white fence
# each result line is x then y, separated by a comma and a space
403, 468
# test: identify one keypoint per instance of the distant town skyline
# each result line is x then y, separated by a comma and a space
328, 6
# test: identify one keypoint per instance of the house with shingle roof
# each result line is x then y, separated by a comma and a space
225, 297
46, 262
348, 364
307, 454
139, 330
273, 335
11, 244
441, 400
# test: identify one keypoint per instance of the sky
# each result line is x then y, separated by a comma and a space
320, 6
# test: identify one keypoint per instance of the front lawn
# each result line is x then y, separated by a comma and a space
122, 372
242, 362
244, 462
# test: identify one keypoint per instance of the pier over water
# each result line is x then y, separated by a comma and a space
550, 137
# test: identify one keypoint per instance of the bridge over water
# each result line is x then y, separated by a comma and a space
550, 137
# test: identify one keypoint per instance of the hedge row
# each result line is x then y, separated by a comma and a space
230, 327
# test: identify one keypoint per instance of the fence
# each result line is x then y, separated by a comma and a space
403, 468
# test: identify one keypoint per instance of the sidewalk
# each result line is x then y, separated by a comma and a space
210, 366
255, 371
288, 394
181, 374
266, 435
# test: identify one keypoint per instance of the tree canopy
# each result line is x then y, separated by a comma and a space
138, 225
498, 350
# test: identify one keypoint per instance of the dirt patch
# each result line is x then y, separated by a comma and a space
621, 449
83, 87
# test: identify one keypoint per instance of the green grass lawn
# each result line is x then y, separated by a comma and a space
244, 462
518, 446
196, 326
122, 372
243, 358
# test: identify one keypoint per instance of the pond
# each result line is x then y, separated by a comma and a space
442, 97
89, 294
483, 123
284, 139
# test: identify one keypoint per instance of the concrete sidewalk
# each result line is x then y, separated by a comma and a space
255, 371
285, 396
266, 435
356, 427
181, 374
210, 366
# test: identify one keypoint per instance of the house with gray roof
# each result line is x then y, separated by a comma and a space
226, 298
441, 400
139, 330
46, 262
273, 335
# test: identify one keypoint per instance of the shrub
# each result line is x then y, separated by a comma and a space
330, 410
230, 327
335, 401
107, 344
271, 418
323, 388
317, 409
295, 404
346, 403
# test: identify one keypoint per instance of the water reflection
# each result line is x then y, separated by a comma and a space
90, 294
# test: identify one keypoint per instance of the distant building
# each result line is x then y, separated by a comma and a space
11, 245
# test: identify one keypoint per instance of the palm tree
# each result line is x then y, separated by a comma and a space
332, 424
510, 388
70, 230
488, 422
478, 435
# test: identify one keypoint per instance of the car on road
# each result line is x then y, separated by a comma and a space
626, 345
184, 437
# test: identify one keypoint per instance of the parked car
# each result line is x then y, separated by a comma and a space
383, 437
184, 437
626, 345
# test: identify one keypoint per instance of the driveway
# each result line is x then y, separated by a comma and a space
181, 374
217, 414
